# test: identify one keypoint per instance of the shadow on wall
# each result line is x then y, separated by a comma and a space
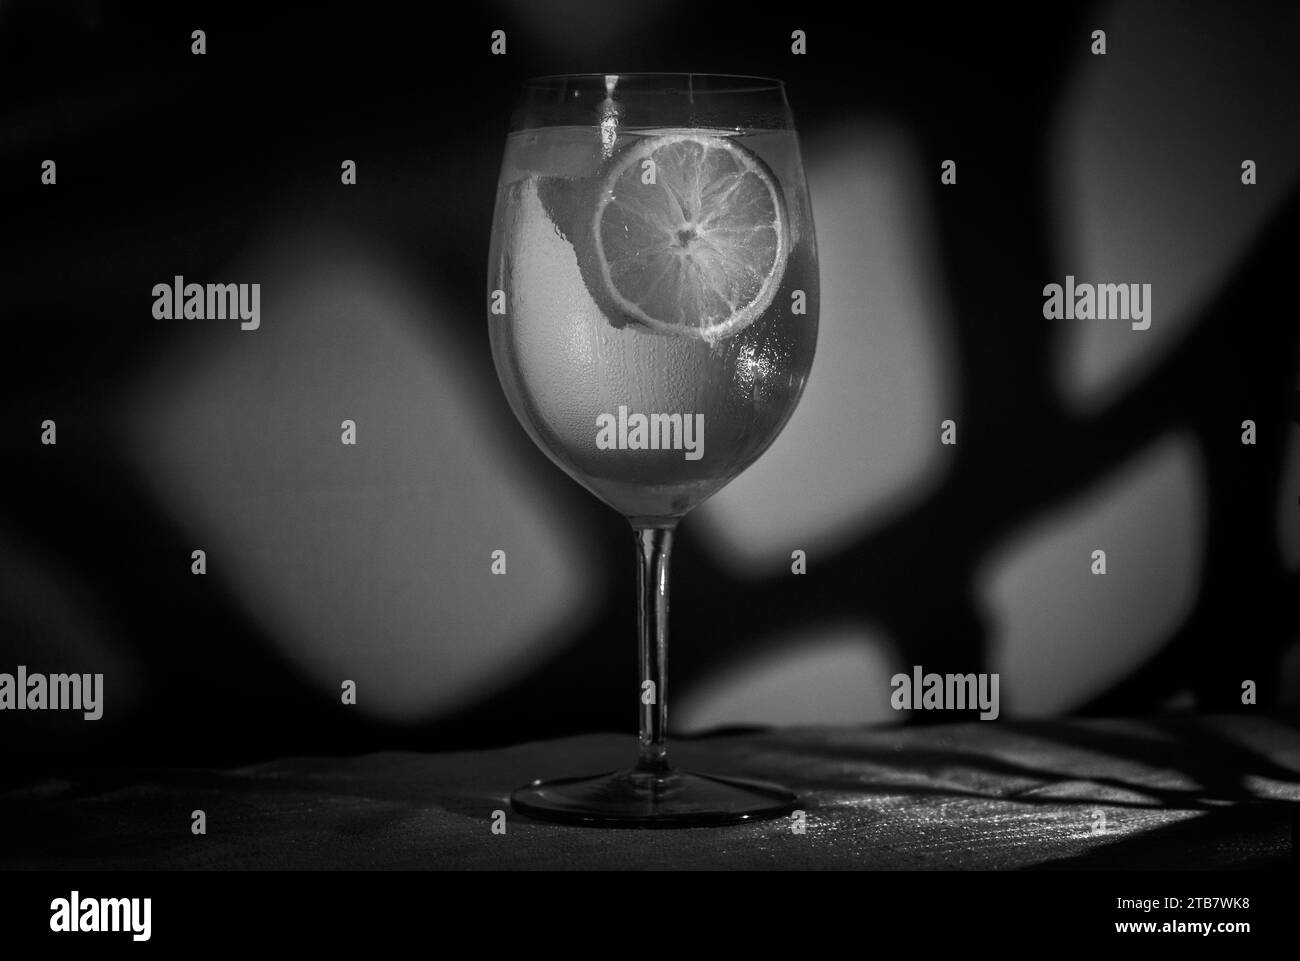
373, 563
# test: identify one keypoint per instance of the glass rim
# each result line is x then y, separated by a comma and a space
734, 82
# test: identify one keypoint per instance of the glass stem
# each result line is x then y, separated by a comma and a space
654, 550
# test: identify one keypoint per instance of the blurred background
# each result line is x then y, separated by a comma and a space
372, 563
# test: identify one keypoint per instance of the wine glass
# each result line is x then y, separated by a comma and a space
653, 297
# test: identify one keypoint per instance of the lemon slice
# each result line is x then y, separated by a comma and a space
691, 234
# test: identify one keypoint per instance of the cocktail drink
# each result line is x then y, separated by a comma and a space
653, 315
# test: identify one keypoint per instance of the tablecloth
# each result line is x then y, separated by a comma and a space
1184, 792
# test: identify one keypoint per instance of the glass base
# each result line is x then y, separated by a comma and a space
638, 799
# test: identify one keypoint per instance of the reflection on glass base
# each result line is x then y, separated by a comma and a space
638, 799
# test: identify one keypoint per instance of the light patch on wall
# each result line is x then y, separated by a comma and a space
1149, 145
864, 440
836, 674
368, 562
1060, 633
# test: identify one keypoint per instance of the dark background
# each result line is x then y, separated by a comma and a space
372, 563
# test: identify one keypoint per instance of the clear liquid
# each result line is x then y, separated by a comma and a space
565, 355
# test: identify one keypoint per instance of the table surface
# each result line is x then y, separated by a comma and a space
1190, 792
